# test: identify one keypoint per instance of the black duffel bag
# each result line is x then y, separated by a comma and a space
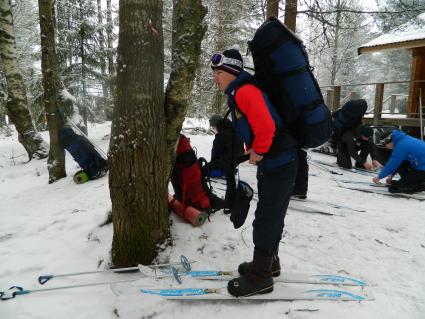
241, 202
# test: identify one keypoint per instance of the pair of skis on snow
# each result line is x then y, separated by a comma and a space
346, 288
324, 165
320, 207
367, 187
333, 286
317, 207
373, 188
382, 191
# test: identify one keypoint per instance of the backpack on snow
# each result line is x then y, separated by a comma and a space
187, 179
283, 71
83, 152
349, 116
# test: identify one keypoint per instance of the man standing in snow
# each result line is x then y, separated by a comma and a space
258, 125
407, 159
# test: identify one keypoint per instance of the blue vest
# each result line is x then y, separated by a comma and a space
282, 150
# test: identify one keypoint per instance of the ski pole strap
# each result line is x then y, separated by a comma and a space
12, 292
44, 278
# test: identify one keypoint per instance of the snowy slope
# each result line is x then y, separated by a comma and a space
54, 229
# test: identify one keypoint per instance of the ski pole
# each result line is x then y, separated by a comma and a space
183, 261
14, 291
322, 167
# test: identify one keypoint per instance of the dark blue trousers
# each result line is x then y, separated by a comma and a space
274, 192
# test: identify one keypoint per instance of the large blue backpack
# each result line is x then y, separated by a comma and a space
83, 153
283, 71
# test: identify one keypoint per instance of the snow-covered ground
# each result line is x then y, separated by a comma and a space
55, 229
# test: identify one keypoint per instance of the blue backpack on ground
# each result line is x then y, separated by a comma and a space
283, 71
83, 153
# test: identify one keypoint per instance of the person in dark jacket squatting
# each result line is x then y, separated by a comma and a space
357, 144
226, 149
407, 159
256, 123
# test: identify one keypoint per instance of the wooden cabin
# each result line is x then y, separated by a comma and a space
410, 36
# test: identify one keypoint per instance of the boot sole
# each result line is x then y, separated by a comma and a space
276, 273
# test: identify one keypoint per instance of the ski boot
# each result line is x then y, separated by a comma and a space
244, 267
258, 279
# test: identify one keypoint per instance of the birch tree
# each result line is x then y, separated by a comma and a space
188, 32
17, 103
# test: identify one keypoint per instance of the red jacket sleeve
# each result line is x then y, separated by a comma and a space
251, 102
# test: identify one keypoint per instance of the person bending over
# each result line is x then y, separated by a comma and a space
357, 144
407, 159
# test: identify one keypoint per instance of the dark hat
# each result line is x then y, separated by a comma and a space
215, 119
366, 131
230, 61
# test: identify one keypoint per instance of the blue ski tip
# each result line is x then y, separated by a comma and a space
205, 273
334, 294
175, 292
339, 279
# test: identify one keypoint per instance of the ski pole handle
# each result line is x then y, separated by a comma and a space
44, 278
6, 295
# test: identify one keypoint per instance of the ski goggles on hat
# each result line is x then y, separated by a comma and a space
219, 59
384, 141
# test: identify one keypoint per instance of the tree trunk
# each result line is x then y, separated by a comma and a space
138, 151
64, 54
102, 54
188, 32
83, 70
50, 70
335, 49
110, 37
272, 9
218, 103
61, 16
291, 14
17, 104
218, 100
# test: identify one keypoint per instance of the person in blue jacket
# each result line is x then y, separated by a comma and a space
407, 159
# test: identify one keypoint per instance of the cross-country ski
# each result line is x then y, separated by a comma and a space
286, 277
279, 293
380, 191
